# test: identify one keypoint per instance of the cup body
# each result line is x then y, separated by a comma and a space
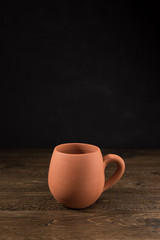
76, 174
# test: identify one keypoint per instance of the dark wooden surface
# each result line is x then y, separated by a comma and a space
129, 210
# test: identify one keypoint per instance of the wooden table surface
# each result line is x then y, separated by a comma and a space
129, 210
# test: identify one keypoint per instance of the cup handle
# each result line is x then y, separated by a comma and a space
119, 172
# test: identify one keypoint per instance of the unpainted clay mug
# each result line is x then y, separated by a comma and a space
76, 176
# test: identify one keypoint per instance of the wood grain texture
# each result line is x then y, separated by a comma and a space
129, 210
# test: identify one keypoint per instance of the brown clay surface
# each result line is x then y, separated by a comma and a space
76, 174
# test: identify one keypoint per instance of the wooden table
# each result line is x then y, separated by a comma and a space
129, 210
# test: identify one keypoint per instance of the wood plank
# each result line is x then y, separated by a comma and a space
72, 224
129, 210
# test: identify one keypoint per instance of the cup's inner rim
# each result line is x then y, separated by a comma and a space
76, 148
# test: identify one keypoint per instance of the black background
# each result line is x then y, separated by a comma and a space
81, 72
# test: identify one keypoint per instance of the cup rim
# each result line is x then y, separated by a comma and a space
59, 148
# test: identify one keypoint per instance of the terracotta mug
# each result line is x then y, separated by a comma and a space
76, 175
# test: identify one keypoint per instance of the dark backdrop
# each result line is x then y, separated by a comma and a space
80, 72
